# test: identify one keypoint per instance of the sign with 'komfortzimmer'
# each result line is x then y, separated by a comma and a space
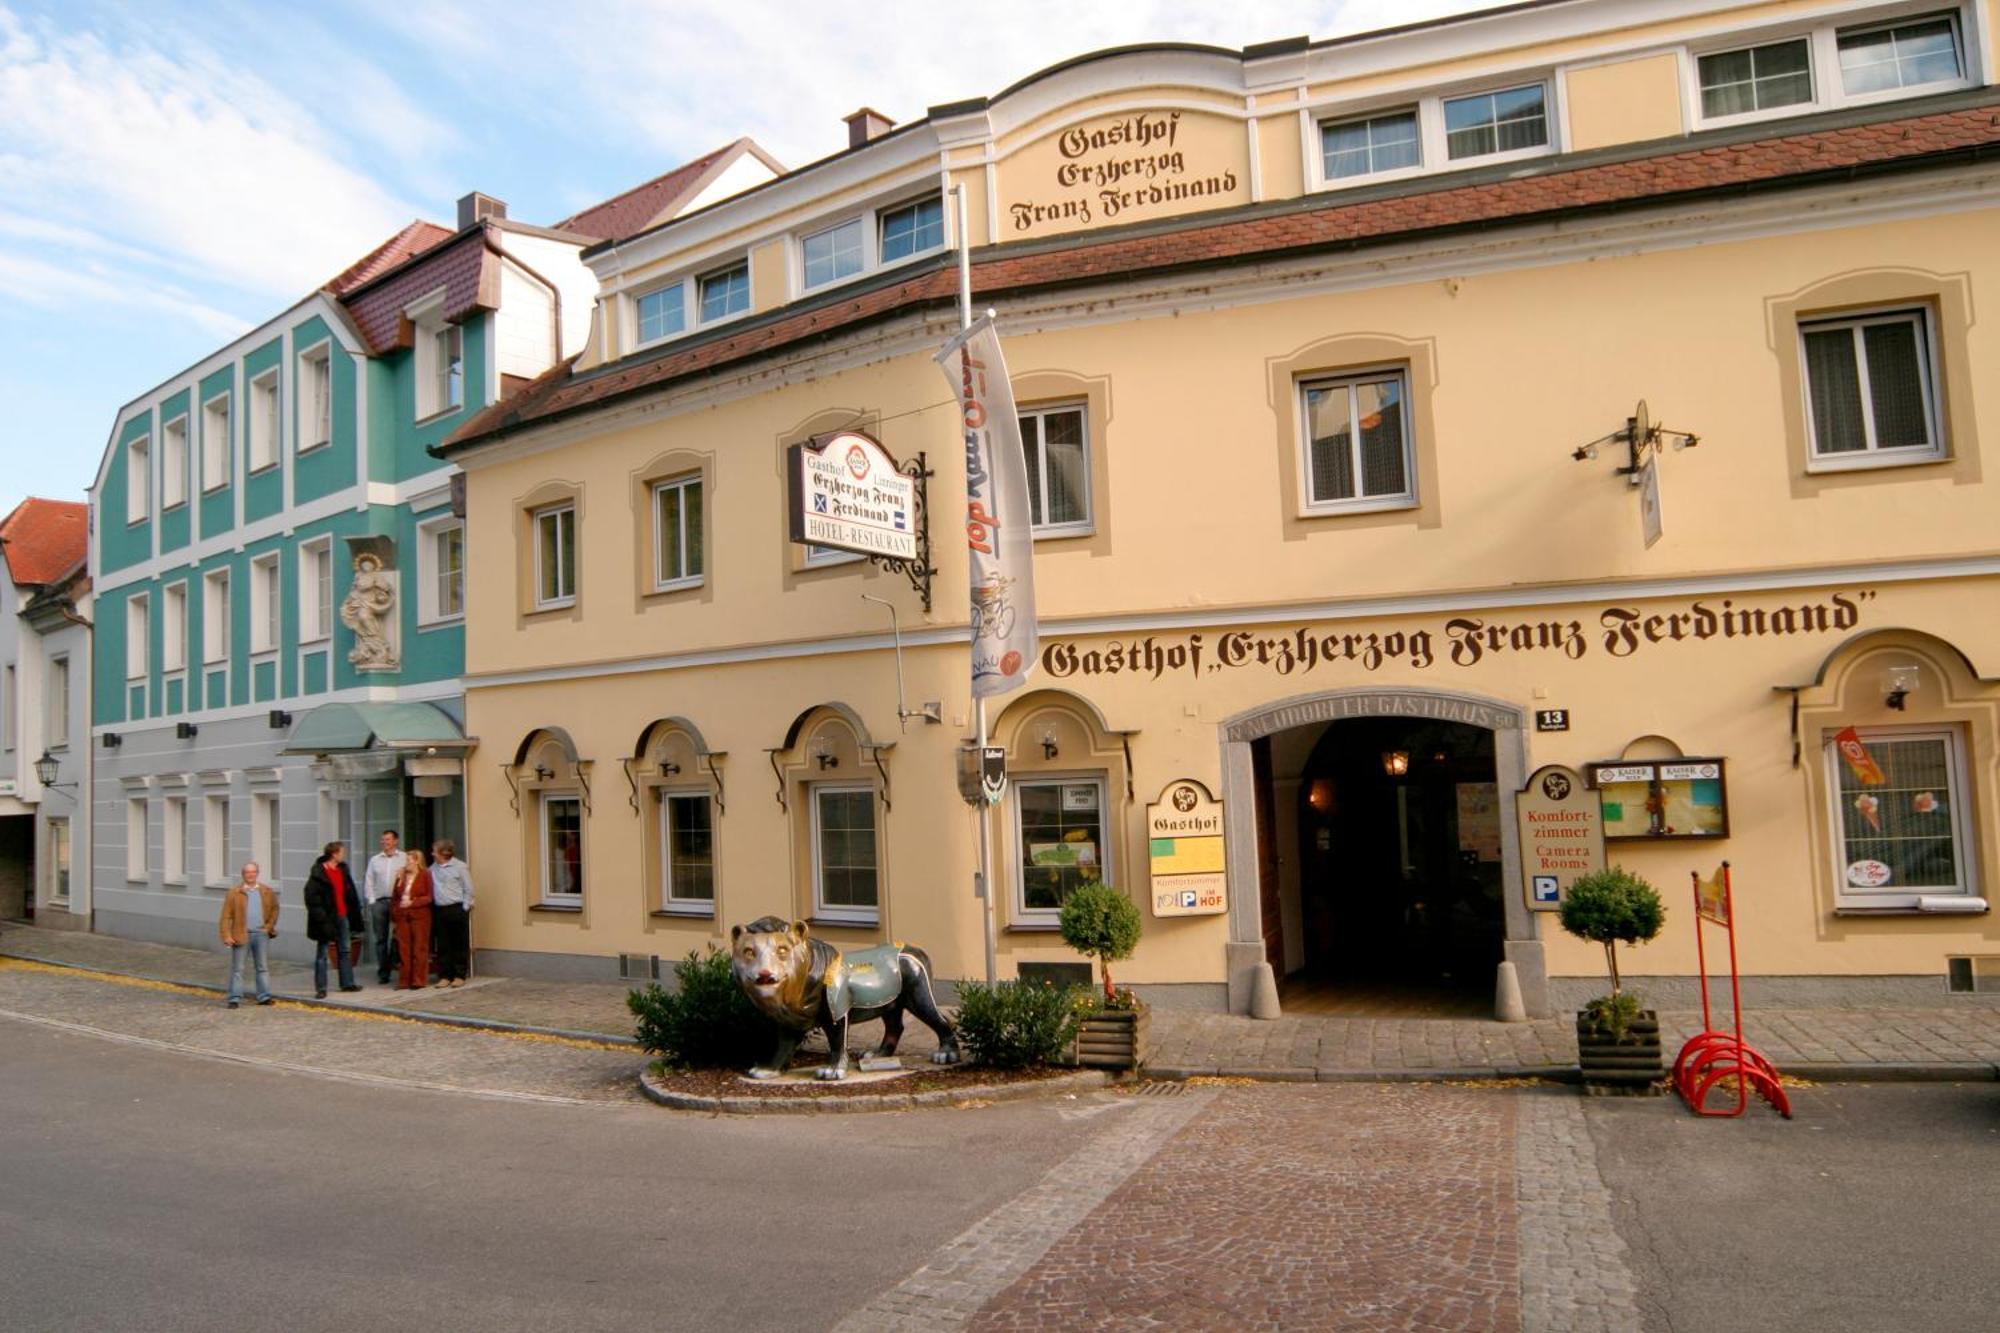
847, 494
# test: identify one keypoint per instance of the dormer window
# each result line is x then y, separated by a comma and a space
1829, 67
912, 229
662, 313
833, 254
440, 368
1757, 78
1507, 121
1367, 147
1909, 55
725, 292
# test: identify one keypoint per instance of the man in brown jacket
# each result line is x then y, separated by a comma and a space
249, 922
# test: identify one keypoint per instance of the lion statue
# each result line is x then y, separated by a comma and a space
802, 983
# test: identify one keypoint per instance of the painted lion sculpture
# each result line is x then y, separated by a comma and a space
801, 983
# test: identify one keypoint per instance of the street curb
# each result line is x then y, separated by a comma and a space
1896, 1071
387, 1011
870, 1102
1302, 1074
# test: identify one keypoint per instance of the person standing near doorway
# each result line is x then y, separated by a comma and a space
378, 881
411, 908
333, 912
249, 924
451, 912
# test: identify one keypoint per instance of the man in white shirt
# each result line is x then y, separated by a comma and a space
451, 913
378, 885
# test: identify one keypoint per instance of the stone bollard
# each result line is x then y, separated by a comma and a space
1264, 993
1507, 1004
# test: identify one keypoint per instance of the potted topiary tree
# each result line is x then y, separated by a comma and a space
1618, 1043
1100, 922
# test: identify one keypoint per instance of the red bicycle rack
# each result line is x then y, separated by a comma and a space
1712, 1055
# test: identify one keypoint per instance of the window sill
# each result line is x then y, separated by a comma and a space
1874, 461
845, 923
139, 522
438, 415
678, 585
319, 643
573, 908
217, 489
313, 448
1343, 508
684, 913
1032, 928
170, 506
440, 622
1914, 909
1065, 533
263, 468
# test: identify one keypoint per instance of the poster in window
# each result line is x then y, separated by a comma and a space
1680, 798
1479, 819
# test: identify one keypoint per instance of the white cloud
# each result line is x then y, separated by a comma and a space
68, 286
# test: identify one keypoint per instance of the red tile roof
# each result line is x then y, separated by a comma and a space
44, 540
1647, 175
642, 206
466, 268
406, 244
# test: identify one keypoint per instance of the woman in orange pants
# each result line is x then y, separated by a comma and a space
410, 915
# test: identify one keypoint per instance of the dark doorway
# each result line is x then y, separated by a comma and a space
1398, 883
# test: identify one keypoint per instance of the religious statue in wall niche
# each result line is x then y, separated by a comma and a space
366, 610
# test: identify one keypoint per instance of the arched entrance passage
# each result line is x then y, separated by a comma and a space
1338, 735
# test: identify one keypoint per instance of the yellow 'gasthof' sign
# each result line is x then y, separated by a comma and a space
1184, 837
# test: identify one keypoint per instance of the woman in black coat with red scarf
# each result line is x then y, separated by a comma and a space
333, 916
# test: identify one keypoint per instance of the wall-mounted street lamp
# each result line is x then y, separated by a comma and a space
1049, 748
1395, 762
46, 769
823, 754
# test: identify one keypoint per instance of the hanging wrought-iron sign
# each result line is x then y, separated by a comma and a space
846, 493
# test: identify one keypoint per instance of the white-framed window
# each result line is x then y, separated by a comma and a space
139, 480
1489, 124
1899, 56
440, 361
174, 627
56, 723
725, 292
1871, 388
816, 556
264, 829
315, 396
687, 852
215, 616
174, 839
265, 634
174, 463
265, 430
562, 847
1060, 842
1908, 836
10, 699
138, 635
662, 312
1371, 146
846, 880
911, 229
215, 443
555, 555
832, 254
1056, 442
677, 533
215, 839
1756, 78
58, 883
1355, 433
135, 837
448, 362
316, 590
441, 570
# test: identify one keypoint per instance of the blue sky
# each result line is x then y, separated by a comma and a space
173, 174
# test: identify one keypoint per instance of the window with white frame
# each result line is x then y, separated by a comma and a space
316, 590
1060, 842
1906, 835
315, 396
1756, 78
677, 533
1899, 56
264, 427
1357, 442
846, 886
1871, 388
215, 443
264, 604
910, 229
1371, 145
174, 627
215, 616
1509, 120
55, 724
1055, 442
441, 570
264, 827
725, 292
687, 852
58, 884
139, 480
555, 555
174, 463
138, 635
10, 699
562, 847
832, 254
440, 364
662, 312
174, 839
135, 837
215, 839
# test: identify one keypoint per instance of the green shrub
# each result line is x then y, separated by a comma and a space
707, 1022
1100, 922
1613, 1013
1018, 1024
1609, 906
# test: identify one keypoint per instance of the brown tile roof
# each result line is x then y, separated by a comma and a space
1598, 181
44, 540
406, 244
628, 214
467, 269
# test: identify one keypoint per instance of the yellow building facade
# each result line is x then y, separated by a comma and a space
1327, 356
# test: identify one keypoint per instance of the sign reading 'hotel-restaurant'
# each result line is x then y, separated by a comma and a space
847, 494
1184, 837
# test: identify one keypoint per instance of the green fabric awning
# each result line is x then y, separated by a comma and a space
333, 728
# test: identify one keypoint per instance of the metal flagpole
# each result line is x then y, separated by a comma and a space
982, 881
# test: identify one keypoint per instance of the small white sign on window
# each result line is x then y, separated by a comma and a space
1080, 798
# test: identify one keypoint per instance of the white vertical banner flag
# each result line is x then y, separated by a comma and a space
998, 533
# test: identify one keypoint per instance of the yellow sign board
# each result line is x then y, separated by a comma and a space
1184, 838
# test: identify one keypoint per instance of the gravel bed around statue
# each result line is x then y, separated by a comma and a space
925, 1085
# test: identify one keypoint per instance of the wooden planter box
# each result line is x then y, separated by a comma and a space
1630, 1066
1113, 1040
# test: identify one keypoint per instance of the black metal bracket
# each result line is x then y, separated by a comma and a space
779, 773
919, 570
875, 754
721, 806
513, 789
